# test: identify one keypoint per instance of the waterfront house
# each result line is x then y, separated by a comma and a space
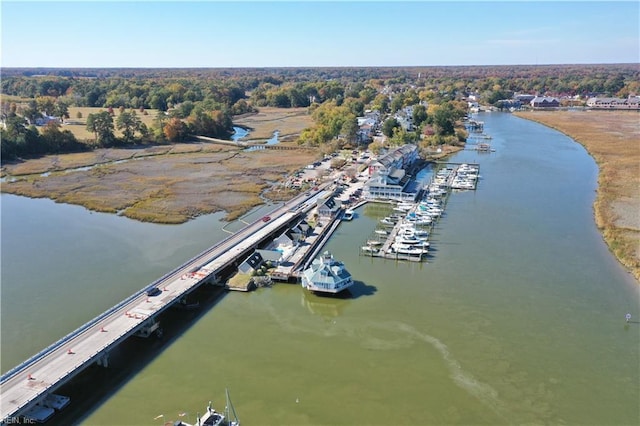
544, 102
326, 275
631, 103
328, 207
251, 264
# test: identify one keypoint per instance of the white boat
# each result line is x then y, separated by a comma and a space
404, 207
374, 243
387, 221
369, 249
411, 241
212, 417
381, 232
348, 215
403, 249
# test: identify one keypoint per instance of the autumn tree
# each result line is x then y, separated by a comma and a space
175, 130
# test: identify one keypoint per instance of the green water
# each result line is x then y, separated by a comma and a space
516, 318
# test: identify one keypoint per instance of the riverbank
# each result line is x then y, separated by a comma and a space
611, 138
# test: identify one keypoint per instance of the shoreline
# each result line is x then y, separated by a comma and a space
610, 138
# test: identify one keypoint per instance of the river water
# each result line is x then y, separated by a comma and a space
517, 317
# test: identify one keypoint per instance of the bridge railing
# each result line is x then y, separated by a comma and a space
35, 358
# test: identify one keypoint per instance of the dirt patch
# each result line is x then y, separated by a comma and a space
611, 137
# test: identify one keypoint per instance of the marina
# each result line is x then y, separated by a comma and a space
404, 235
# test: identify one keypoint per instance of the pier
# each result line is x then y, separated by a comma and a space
25, 387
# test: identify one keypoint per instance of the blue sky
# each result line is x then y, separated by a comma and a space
304, 33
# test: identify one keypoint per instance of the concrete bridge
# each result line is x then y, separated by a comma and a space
29, 383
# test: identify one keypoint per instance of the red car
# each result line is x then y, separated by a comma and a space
266, 218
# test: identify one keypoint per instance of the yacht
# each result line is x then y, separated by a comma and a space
407, 249
348, 215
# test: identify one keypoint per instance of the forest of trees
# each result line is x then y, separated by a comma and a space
204, 101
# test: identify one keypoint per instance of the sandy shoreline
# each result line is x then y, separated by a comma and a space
611, 138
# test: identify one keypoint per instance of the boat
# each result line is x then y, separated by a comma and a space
369, 249
326, 275
406, 249
387, 221
374, 243
381, 232
348, 215
211, 417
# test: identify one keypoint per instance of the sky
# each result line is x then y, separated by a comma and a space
150, 34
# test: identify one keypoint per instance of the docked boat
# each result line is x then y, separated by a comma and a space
374, 243
348, 215
407, 249
387, 221
326, 275
411, 240
370, 249
381, 232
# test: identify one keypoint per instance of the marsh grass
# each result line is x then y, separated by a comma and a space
166, 183
611, 137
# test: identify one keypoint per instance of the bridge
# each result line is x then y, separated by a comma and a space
29, 383
250, 145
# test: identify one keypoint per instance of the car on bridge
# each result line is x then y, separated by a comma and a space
153, 291
266, 218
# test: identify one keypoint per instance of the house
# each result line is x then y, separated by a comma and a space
326, 275
544, 102
328, 207
251, 264
524, 98
631, 103
257, 259
46, 119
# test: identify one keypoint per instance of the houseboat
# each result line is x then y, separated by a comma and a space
326, 275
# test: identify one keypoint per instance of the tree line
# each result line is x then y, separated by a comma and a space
204, 101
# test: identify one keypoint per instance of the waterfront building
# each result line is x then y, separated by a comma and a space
632, 102
388, 177
328, 207
544, 102
326, 275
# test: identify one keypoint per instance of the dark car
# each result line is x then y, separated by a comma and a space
153, 291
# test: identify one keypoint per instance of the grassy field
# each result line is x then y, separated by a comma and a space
611, 137
78, 126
